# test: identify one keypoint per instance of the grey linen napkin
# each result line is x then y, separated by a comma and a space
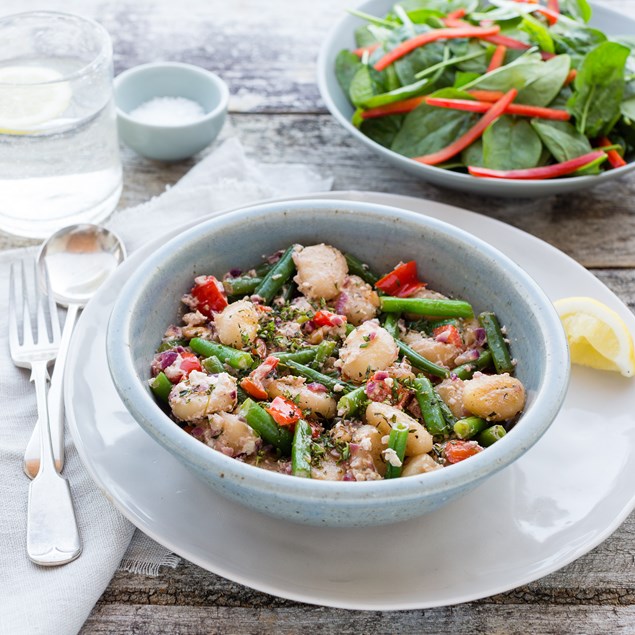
58, 600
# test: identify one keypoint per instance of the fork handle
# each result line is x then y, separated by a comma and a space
52, 534
31, 461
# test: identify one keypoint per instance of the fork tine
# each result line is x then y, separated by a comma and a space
52, 305
42, 334
27, 331
14, 337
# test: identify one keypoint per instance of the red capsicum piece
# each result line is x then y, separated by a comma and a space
209, 294
457, 450
513, 109
284, 411
448, 334
252, 384
474, 133
497, 58
432, 36
614, 157
402, 281
366, 49
396, 108
327, 318
190, 362
546, 172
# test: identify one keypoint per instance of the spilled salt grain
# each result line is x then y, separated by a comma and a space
168, 111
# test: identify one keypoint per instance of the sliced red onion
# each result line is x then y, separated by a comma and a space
380, 375
348, 477
168, 358
353, 447
198, 432
443, 337
316, 387
234, 273
480, 336
378, 390
470, 355
340, 303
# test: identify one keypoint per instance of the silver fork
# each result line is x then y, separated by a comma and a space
52, 534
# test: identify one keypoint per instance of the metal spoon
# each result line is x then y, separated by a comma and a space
79, 258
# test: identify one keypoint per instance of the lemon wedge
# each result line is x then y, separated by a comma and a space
597, 335
30, 96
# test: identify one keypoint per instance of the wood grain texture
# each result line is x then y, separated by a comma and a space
267, 55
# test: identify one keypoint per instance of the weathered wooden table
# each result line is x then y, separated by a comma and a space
267, 52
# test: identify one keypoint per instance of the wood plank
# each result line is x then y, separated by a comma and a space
467, 619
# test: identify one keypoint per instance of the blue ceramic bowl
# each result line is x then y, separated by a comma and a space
452, 260
176, 141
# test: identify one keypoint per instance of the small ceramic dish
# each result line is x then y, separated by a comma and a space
455, 262
174, 141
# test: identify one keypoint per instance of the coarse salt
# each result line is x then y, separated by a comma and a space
168, 111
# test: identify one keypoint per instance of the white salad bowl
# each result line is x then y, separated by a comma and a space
341, 37
450, 259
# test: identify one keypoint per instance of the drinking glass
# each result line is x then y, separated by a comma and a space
59, 154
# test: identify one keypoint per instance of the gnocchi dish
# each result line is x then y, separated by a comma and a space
312, 365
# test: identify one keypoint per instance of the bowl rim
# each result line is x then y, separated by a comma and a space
149, 415
507, 187
203, 73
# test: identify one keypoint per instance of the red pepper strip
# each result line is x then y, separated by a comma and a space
456, 15
547, 172
486, 95
498, 58
614, 156
548, 12
570, 77
509, 42
432, 36
366, 49
208, 294
396, 108
327, 318
402, 281
472, 134
547, 56
284, 412
513, 109
253, 383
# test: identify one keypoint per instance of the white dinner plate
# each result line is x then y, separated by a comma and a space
556, 503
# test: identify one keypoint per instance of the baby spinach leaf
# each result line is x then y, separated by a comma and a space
511, 143
428, 129
473, 154
562, 139
364, 36
383, 130
576, 42
598, 89
577, 9
546, 86
462, 79
346, 66
516, 75
627, 108
362, 87
405, 92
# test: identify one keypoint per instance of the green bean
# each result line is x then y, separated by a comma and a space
435, 324
391, 323
351, 403
465, 371
469, 427
427, 306
428, 402
263, 269
317, 376
349, 328
161, 387
235, 358
301, 450
324, 350
491, 435
241, 395
263, 423
213, 365
496, 343
421, 362
277, 276
302, 356
245, 285
397, 441
289, 292
358, 268
168, 344
450, 419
